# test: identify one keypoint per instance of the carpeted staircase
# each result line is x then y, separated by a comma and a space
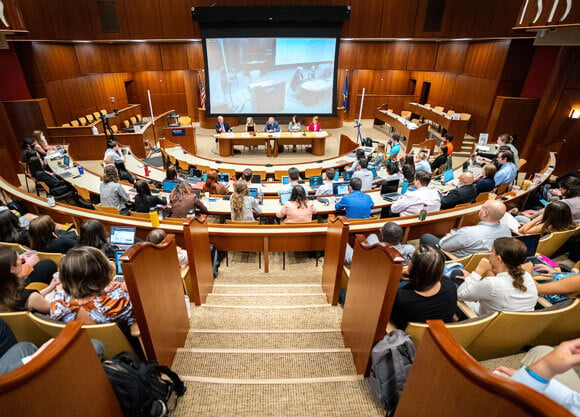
269, 345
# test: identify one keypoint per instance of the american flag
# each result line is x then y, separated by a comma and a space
201, 93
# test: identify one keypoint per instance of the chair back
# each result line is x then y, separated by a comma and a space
482, 197
139, 215
502, 188
445, 381
103, 112
139, 117
24, 328
439, 108
549, 245
465, 116
334, 250
133, 120
473, 261
115, 128
16, 247
313, 172
183, 165
450, 112
405, 114
279, 174
230, 221
184, 120
126, 124
66, 379
65, 125
55, 257
74, 123
90, 118
196, 238
44, 187
83, 192
560, 330
97, 115
83, 121
522, 163
106, 209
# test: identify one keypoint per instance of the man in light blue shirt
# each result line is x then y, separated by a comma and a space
507, 169
294, 176
326, 188
357, 204
395, 147
272, 126
364, 174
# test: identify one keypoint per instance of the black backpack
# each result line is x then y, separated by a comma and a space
142, 388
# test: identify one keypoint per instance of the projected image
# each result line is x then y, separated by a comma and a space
271, 75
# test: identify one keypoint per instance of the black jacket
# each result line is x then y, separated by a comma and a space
461, 195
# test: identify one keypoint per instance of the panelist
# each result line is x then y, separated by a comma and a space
222, 126
250, 128
294, 126
314, 126
272, 126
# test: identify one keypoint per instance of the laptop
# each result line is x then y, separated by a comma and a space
122, 236
340, 188
347, 175
531, 242
224, 179
389, 190
66, 161
118, 254
404, 187
284, 198
448, 176
256, 179
315, 181
286, 179
253, 192
466, 166
197, 193
168, 186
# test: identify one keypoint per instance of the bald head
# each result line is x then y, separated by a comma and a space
492, 211
466, 178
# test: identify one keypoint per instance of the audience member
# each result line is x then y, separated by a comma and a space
409, 168
569, 190
364, 174
144, 200
557, 217
294, 176
327, 188
394, 173
55, 183
183, 200
45, 238
441, 158
507, 170
428, 295
298, 209
395, 147
486, 183
379, 160
314, 125
93, 234
112, 193
212, 185
505, 141
474, 239
156, 236
272, 125
562, 283
500, 282
357, 204
247, 176
114, 149
13, 295
171, 174
359, 154
88, 293
40, 142
29, 149
448, 141
11, 230
421, 163
244, 207
464, 193
412, 202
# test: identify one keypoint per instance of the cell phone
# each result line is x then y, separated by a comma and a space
544, 202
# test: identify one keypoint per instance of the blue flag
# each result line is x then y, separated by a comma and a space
345, 93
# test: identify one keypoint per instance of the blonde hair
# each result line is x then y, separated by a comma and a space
237, 200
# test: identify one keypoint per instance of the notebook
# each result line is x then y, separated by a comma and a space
122, 236
389, 190
315, 181
339, 189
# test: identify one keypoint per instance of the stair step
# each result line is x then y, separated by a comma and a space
265, 300
332, 399
264, 365
267, 289
273, 340
325, 317
265, 279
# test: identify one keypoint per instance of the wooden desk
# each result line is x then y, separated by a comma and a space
458, 128
415, 134
317, 141
183, 135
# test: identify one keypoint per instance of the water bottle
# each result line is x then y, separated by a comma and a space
423, 214
50, 200
160, 211
81, 170
154, 217
146, 167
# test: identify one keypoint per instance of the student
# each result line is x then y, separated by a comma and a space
247, 175
183, 200
448, 141
55, 183
212, 185
357, 204
423, 197
395, 147
114, 150
298, 209
244, 207
441, 158
294, 176
364, 174
485, 183
327, 188
112, 193
93, 234
421, 162
144, 200
45, 238
557, 217
379, 159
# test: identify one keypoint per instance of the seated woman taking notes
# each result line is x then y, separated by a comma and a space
298, 209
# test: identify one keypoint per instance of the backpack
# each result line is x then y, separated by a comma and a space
391, 360
367, 142
142, 388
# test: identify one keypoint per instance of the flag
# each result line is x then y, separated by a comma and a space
345, 93
201, 94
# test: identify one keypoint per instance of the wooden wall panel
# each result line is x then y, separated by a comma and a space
70, 19
9, 149
398, 18
167, 90
505, 16
471, 18
512, 115
422, 56
445, 23
173, 56
497, 56
144, 19
58, 102
369, 55
92, 58
365, 19
395, 55
451, 56
176, 19
476, 59
96, 23
347, 54
134, 57
56, 61
194, 56
119, 57
35, 13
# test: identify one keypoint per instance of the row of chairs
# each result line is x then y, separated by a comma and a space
86, 119
56, 257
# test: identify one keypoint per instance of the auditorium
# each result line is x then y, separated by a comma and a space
295, 207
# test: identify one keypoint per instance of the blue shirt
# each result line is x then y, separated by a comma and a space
273, 127
506, 174
111, 151
395, 149
358, 205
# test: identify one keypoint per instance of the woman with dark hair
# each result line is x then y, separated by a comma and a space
486, 183
183, 200
429, 295
500, 282
441, 158
171, 174
93, 234
56, 184
112, 193
393, 172
144, 200
298, 209
13, 295
557, 217
114, 150
409, 168
11, 231
212, 185
28, 150
244, 207
88, 292
44, 237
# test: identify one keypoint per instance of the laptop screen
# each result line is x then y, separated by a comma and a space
347, 175
531, 242
404, 187
253, 192
168, 186
118, 254
315, 181
390, 187
256, 179
66, 160
448, 175
121, 235
284, 198
340, 188
285, 179
223, 178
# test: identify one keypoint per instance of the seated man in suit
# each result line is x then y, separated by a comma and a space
464, 193
222, 126
272, 126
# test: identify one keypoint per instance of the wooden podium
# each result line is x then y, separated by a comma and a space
183, 135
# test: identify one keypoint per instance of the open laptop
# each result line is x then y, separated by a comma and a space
340, 188
168, 186
315, 181
448, 176
284, 198
347, 175
256, 178
118, 254
285, 179
224, 179
389, 190
122, 236
253, 192
531, 242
